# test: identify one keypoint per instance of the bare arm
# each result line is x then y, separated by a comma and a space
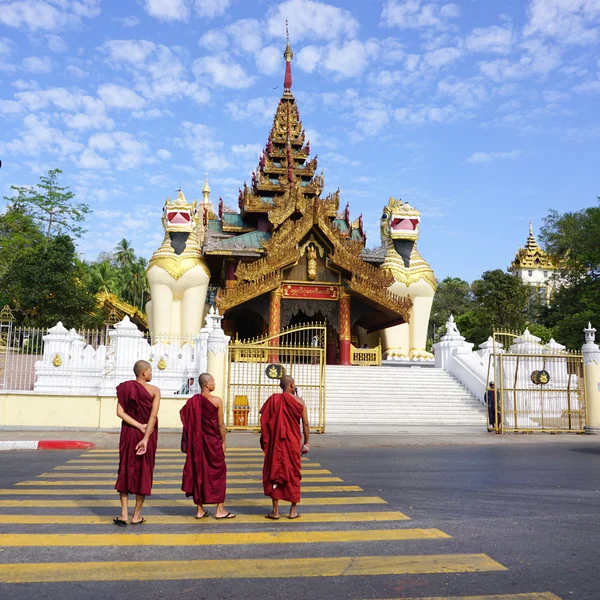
221, 417
143, 445
129, 420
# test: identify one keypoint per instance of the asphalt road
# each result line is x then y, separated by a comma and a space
533, 509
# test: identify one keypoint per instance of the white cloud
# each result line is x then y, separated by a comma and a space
442, 56
126, 151
37, 64
214, 40
486, 157
76, 72
588, 87
349, 59
163, 154
37, 137
47, 15
490, 39
152, 113
10, 107
418, 115
56, 43
223, 72
255, 110
247, 151
308, 58
268, 60
21, 84
168, 10
567, 21
206, 149
245, 35
127, 22
79, 110
158, 71
340, 159
309, 19
91, 160
118, 96
468, 92
416, 14
211, 8
538, 59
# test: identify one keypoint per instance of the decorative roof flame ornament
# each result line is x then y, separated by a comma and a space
57, 360
162, 363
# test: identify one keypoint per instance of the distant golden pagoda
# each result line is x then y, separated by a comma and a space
535, 267
532, 256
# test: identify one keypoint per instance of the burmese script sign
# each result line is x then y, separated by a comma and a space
310, 292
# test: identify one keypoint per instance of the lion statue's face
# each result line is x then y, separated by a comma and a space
179, 216
400, 221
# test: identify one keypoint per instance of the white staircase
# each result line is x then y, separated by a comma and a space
398, 396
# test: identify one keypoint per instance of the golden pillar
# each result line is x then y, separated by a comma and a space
344, 307
274, 322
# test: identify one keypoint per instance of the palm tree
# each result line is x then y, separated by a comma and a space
124, 254
107, 277
139, 281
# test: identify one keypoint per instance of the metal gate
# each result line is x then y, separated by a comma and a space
255, 367
536, 387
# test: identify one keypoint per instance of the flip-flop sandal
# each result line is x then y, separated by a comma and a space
203, 516
270, 516
138, 522
227, 516
119, 522
296, 516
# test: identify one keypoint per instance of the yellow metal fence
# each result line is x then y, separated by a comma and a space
299, 352
535, 387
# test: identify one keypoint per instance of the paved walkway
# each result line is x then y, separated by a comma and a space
357, 437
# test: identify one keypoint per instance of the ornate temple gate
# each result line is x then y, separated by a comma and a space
254, 370
537, 387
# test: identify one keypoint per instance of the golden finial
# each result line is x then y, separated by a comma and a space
206, 190
530, 228
288, 54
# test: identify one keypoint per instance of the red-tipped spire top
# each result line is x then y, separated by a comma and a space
288, 55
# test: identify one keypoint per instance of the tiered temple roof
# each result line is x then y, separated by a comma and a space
278, 210
532, 256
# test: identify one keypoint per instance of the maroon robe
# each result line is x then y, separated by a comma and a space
205, 471
135, 471
280, 440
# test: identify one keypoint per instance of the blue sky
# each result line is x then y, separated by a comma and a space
481, 113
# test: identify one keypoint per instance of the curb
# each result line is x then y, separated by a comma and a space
46, 445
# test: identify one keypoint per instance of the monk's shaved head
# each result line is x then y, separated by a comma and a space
141, 366
286, 382
204, 379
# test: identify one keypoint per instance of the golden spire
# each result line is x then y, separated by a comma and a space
206, 190
288, 55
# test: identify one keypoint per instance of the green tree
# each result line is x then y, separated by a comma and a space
46, 284
501, 302
452, 297
572, 239
124, 254
51, 206
18, 231
105, 277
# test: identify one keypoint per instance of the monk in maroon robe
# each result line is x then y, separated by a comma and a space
280, 418
203, 441
137, 406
